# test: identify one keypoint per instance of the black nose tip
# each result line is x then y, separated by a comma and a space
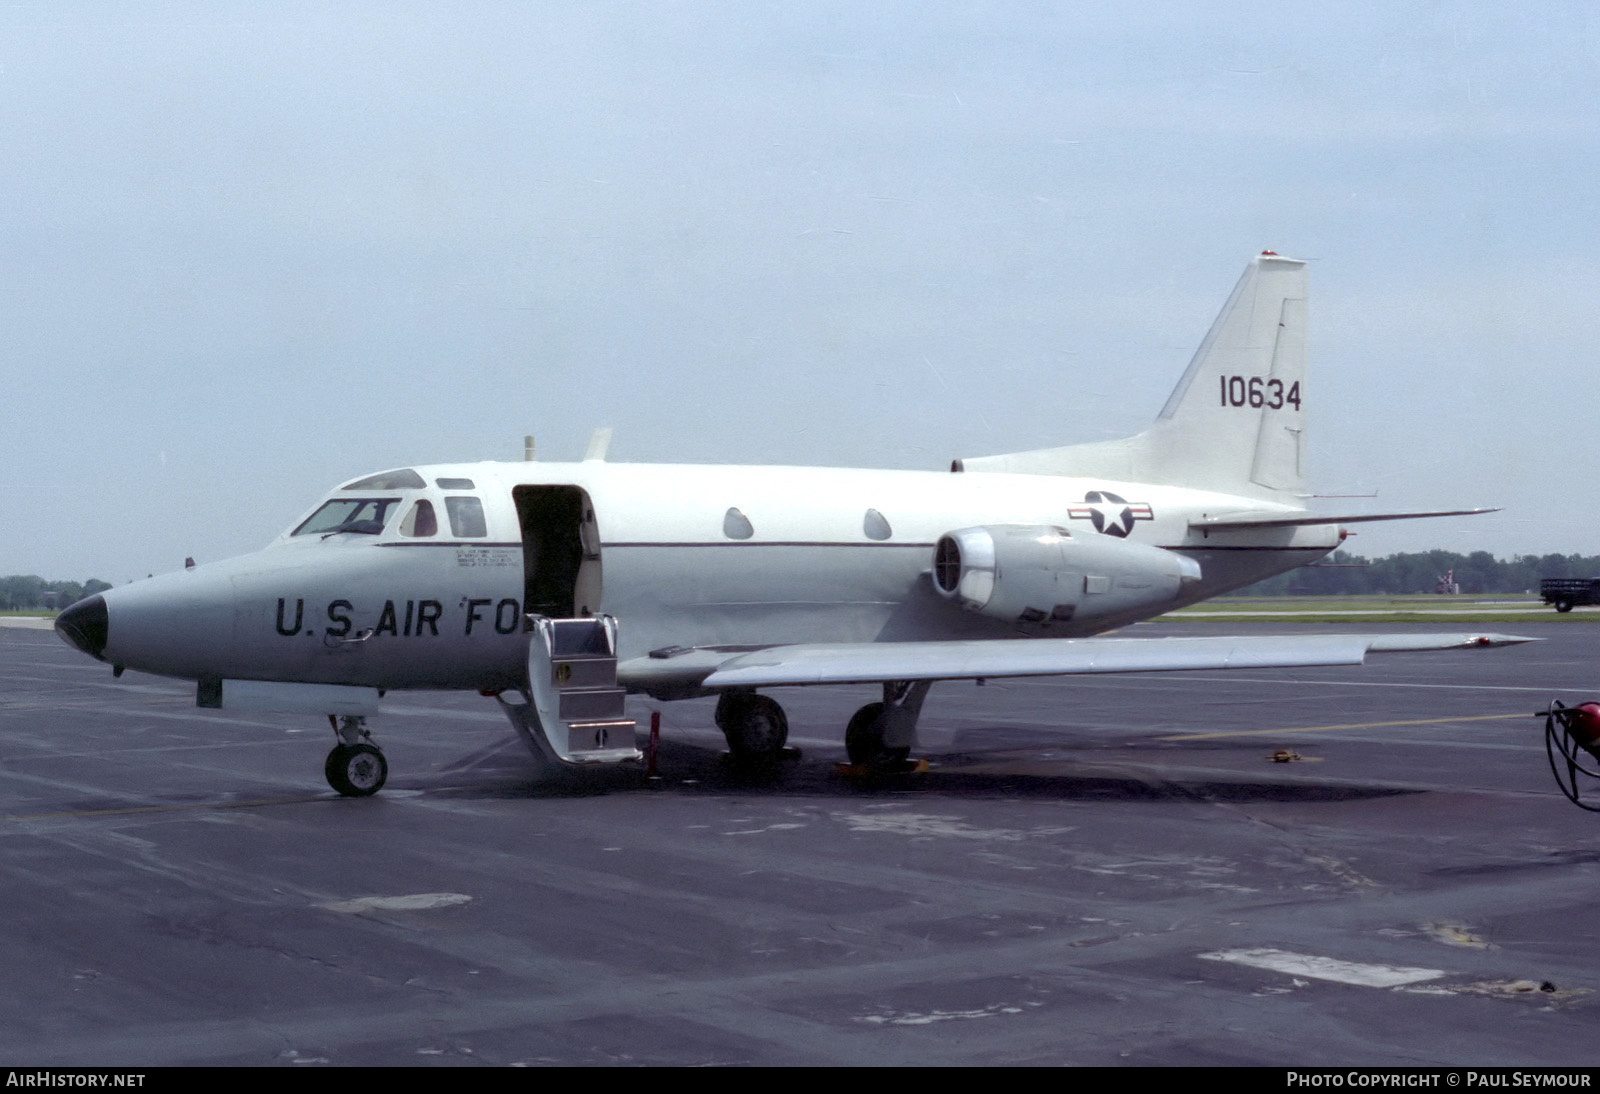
84, 624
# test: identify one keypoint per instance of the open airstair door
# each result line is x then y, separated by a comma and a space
573, 711
560, 551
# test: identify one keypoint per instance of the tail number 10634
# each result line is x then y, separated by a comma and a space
1256, 391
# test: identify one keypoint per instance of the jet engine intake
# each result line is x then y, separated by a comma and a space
1040, 575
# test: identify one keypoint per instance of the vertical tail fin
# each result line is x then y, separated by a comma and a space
1235, 423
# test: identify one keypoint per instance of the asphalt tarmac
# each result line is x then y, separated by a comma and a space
1095, 870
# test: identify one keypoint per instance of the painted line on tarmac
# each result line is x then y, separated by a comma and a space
132, 810
1348, 725
1326, 968
1303, 681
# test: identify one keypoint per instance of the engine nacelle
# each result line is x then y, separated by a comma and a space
1039, 574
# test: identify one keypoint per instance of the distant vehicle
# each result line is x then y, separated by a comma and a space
1564, 592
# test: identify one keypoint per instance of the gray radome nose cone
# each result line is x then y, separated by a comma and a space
84, 625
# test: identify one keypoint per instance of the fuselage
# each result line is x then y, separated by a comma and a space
422, 578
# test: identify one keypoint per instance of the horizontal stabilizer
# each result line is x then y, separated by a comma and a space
872, 662
1275, 520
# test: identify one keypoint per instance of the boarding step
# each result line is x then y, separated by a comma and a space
576, 712
591, 704
593, 738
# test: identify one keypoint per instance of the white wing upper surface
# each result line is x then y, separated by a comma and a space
870, 662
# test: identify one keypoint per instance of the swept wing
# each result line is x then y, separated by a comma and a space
872, 662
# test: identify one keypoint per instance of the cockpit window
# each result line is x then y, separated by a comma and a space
403, 479
363, 515
466, 518
454, 484
421, 521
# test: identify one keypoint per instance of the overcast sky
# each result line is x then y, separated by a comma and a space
251, 250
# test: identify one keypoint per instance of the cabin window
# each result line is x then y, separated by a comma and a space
466, 518
403, 479
363, 515
454, 484
735, 525
875, 526
421, 521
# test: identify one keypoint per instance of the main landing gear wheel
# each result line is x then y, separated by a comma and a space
356, 771
863, 740
754, 725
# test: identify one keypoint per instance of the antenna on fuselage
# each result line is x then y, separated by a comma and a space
527, 448
599, 441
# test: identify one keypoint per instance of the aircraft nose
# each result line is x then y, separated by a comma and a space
84, 625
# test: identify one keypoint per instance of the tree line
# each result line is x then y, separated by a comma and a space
1480, 572
22, 593
1340, 574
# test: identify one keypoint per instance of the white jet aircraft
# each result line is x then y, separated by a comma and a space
560, 588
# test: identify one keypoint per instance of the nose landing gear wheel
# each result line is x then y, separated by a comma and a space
356, 771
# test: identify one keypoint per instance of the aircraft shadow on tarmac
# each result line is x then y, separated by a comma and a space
690, 767
1557, 859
